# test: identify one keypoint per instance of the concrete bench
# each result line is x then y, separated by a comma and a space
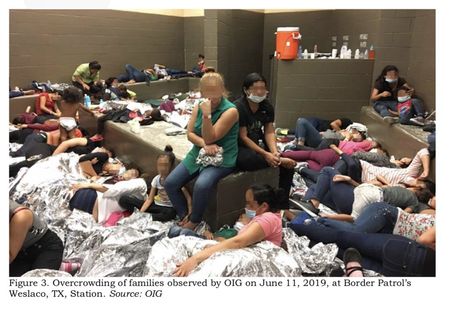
143, 148
399, 140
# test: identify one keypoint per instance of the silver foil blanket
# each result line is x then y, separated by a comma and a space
121, 250
313, 260
46, 273
46, 188
262, 259
210, 160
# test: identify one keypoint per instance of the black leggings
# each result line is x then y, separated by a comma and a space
249, 160
159, 213
19, 136
47, 253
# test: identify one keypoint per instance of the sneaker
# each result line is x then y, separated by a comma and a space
300, 166
390, 119
305, 206
418, 121
290, 147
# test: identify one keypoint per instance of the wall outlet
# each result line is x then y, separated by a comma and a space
364, 36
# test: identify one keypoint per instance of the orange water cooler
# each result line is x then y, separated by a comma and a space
287, 43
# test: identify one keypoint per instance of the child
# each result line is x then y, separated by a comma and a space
158, 202
407, 108
70, 104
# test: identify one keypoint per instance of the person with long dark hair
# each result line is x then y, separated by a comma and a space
262, 206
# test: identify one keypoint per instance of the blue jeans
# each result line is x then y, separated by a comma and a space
132, 73
377, 217
306, 132
415, 110
336, 195
382, 107
203, 188
388, 254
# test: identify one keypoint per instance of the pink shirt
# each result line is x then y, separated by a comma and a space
350, 147
271, 225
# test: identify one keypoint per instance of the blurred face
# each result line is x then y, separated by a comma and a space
112, 169
163, 166
55, 96
357, 137
93, 71
252, 204
392, 74
258, 88
115, 83
213, 91
401, 93
130, 174
432, 202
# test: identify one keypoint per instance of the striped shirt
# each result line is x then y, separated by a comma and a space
394, 175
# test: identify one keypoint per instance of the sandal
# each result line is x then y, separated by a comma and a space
352, 255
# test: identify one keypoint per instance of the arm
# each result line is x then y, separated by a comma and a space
339, 217
192, 137
382, 180
82, 107
213, 133
425, 159
64, 146
428, 238
19, 226
408, 210
149, 201
43, 127
393, 112
95, 186
252, 235
80, 81
269, 134
249, 143
375, 96
87, 169
336, 149
336, 125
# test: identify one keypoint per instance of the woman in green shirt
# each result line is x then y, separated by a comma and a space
213, 125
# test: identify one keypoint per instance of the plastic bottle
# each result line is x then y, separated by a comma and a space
349, 54
357, 54
87, 101
299, 52
371, 53
366, 54
343, 52
305, 54
315, 51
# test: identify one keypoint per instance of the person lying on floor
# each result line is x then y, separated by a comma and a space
322, 125
388, 254
24, 130
82, 145
158, 203
102, 200
265, 225
32, 245
257, 139
382, 217
350, 199
414, 174
133, 75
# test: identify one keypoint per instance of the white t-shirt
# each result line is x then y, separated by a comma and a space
161, 197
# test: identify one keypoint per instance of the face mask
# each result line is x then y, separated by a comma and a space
255, 98
403, 98
390, 80
250, 213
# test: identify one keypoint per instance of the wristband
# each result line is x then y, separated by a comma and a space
207, 116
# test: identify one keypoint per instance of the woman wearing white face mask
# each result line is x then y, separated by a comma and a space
384, 93
257, 140
263, 223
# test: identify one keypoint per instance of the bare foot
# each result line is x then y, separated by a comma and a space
287, 163
131, 81
189, 225
341, 178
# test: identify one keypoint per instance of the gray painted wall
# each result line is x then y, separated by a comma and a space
405, 38
324, 88
193, 40
50, 44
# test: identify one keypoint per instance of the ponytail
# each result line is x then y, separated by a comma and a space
274, 197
